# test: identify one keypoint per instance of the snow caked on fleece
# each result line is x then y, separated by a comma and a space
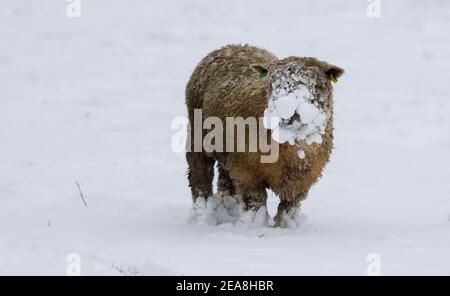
294, 113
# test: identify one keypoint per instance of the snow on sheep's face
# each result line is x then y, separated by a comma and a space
300, 100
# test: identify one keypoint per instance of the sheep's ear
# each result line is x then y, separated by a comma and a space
333, 72
261, 69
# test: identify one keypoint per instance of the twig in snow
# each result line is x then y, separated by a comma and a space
259, 236
130, 271
81, 193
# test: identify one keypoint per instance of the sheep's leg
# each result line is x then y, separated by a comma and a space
253, 209
253, 199
289, 214
200, 166
225, 184
226, 194
200, 174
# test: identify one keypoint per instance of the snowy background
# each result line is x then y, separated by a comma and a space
91, 99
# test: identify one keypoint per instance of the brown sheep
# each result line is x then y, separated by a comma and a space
239, 81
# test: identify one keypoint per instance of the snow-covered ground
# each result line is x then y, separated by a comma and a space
91, 100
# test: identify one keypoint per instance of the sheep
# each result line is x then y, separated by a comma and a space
250, 82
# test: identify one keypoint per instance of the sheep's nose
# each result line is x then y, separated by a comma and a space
291, 120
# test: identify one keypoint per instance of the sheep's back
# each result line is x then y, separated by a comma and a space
223, 84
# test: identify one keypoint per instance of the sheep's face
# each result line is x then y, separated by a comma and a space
300, 96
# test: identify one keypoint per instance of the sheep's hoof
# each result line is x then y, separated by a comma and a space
203, 211
258, 218
292, 218
218, 209
230, 203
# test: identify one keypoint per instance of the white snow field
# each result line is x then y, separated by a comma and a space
91, 100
